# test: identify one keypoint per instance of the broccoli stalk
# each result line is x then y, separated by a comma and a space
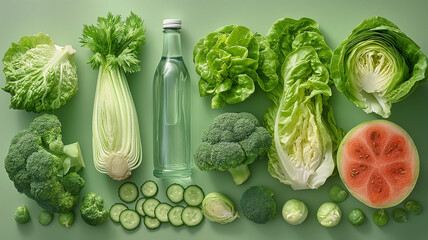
231, 143
240, 174
43, 168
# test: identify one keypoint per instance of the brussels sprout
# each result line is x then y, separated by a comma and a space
329, 214
294, 212
356, 217
219, 208
413, 207
399, 215
337, 194
21, 214
66, 219
45, 218
380, 217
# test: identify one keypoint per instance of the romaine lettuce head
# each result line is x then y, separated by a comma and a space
377, 65
302, 123
230, 61
40, 75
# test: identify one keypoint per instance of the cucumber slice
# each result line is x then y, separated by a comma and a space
174, 216
175, 193
115, 211
151, 223
161, 212
139, 206
128, 192
192, 216
149, 206
193, 195
149, 189
129, 219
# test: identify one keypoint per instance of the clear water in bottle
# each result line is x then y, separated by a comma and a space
171, 145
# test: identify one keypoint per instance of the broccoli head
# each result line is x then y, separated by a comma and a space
43, 168
231, 142
92, 209
258, 205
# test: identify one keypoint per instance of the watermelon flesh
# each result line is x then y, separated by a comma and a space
378, 163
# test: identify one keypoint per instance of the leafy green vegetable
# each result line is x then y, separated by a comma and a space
232, 142
377, 65
115, 45
40, 75
301, 121
40, 167
219, 208
287, 35
92, 209
22, 215
258, 205
230, 61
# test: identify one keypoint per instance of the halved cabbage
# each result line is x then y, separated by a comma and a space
377, 65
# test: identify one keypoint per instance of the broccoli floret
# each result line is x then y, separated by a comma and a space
92, 209
258, 205
43, 168
231, 142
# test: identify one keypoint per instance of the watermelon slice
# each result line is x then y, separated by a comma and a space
378, 163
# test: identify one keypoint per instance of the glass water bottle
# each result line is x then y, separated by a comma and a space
171, 108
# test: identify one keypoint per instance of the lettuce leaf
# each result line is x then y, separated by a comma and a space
230, 61
302, 123
40, 75
377, 65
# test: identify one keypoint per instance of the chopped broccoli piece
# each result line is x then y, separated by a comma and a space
258, 205
92, 209
230, 143
36, 164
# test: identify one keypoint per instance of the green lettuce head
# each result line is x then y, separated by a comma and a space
377, 65
40, 75
230, 61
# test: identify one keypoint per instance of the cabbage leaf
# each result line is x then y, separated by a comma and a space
377, 65
40, 75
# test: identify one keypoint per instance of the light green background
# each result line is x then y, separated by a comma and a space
64, 20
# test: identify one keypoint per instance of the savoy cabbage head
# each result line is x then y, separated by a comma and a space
40, 75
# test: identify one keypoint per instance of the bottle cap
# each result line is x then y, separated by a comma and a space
172, 23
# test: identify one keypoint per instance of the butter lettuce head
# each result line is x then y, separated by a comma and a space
40, 76
377, 65
231, 61
302, 123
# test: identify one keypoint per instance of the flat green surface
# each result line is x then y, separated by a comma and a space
64, 20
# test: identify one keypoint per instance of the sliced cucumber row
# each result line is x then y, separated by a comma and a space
153, 211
